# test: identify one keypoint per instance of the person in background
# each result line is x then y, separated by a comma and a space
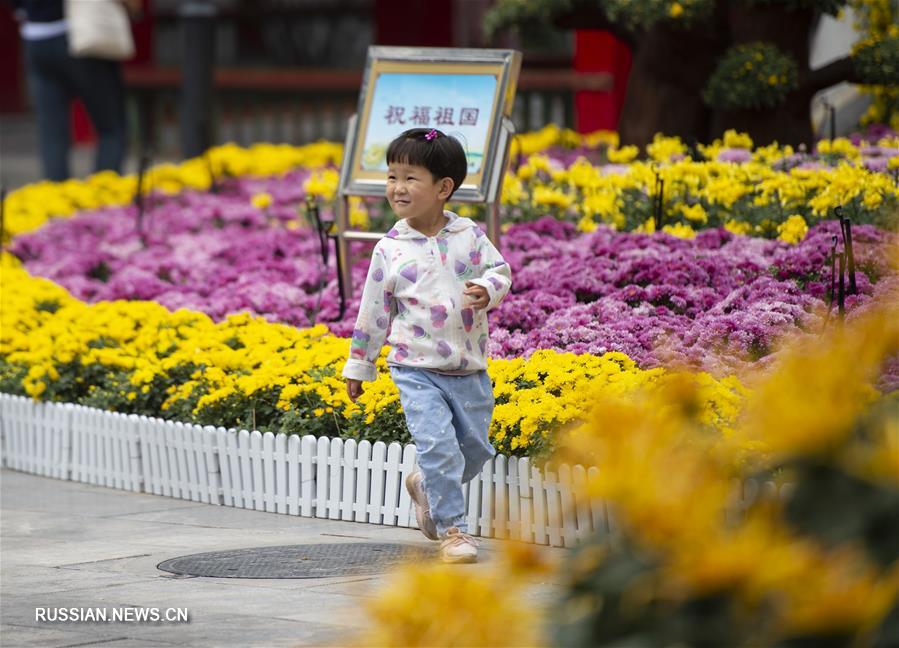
55, 78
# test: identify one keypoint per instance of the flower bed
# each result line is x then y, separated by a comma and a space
716, 302
764, 191
588, 178
621, 305
138, 357
30, 207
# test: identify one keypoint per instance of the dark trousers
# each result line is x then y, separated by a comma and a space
56, 78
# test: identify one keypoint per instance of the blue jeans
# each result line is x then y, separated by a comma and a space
56, 78
449, 419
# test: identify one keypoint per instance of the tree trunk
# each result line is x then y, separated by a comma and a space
664, 91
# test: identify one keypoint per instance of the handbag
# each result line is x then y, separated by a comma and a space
99, 29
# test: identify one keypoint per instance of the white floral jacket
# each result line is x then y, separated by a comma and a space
413, 300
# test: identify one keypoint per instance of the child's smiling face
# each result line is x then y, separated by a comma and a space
414, 193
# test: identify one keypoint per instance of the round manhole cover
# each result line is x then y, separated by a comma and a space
297, 561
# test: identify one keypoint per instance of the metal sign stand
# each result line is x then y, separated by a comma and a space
345, 235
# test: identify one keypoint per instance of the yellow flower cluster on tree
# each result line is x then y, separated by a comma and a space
877, 19
31, 206
183, 364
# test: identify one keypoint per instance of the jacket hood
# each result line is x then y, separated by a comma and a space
403, 231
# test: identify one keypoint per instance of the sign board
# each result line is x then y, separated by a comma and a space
465, 93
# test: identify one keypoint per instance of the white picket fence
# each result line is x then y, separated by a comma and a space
337, 479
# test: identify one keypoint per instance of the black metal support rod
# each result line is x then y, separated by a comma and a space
340, 287
831, 119
833, 122
213, 180
833, 271
324, 239
846, 231
139, 203
850, 258
657, 202
842, 288
198, 22
661, 216
313, 211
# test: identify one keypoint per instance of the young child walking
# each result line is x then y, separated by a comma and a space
432, 279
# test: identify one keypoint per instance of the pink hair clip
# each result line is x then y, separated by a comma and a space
431, 135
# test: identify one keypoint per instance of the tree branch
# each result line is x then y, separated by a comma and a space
831, 74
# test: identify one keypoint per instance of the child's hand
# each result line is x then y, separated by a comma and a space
478, 297
354, 389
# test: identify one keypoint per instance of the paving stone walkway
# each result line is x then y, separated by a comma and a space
71, 545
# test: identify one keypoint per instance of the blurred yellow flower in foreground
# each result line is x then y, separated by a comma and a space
821, 386
671, 481
447, 605
693, 555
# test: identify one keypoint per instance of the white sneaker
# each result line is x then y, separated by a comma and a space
458, 547
422, 508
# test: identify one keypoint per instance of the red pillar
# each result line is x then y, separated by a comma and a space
599, 51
